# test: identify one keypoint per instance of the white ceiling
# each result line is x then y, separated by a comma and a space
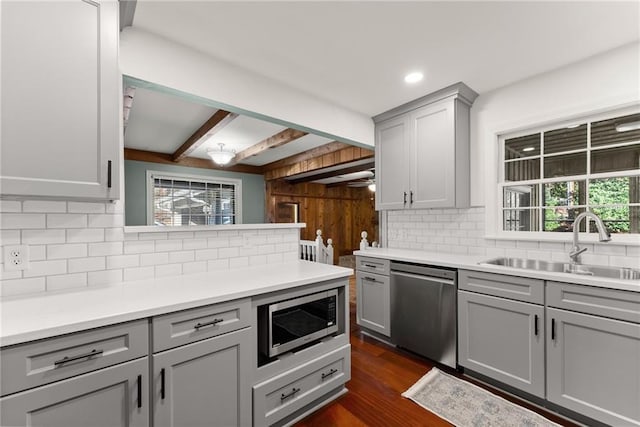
355, 54
162, 122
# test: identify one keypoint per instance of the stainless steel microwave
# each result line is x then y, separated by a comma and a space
286, 325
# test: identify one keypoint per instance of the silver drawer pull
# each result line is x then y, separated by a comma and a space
213, 322
328, 374
68, 359
371, 265
369, 279
288, 395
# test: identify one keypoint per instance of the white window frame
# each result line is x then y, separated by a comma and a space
152, 175
500, 233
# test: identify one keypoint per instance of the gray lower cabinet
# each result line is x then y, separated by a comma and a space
110, 397
502, 339
593, 352
373, 307
204, 383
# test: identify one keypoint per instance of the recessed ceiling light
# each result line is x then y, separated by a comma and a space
526, 149
413, 77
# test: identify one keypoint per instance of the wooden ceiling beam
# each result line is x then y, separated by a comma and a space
194, 162
348, 168
306, 155
218, 121
277, 140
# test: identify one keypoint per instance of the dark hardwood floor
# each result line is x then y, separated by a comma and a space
379, 374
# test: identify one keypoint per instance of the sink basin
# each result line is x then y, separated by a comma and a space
565, 267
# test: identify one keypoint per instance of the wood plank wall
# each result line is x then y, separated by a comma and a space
340, 212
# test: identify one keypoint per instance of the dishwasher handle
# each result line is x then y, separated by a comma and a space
423, 270
429, 278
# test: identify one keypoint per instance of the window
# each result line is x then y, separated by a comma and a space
552, 175
175, 200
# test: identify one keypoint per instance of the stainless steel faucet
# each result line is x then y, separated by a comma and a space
603, 235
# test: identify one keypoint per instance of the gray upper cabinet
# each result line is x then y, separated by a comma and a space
61, 91
422, 151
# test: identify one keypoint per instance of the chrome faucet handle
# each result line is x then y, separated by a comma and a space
575, 253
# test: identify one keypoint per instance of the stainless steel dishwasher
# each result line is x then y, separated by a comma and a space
423, 311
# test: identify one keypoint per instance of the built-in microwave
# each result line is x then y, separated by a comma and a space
289, 324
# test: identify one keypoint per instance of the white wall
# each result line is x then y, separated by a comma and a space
604, 82
154, 59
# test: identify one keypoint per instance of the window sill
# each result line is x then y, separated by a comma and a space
616, 239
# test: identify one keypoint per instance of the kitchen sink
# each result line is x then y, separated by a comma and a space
565, 267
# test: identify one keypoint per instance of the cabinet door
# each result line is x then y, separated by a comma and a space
110, 397
373, 302
61, 94
502, 339
392, 169
593, 366
204, 383
432, 156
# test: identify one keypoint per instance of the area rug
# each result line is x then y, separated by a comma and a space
464, 404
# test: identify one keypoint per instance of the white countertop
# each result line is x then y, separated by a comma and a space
36, 316
472, 262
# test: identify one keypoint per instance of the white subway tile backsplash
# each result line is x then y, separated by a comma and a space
139, 273
66, 281
104, 277
9, 237
69, 250
154, 258
621, 261
105, 248
194, 244
8, 275
194, 267
43, 206
85, 235
66, 221
88, 208
182, 256
168, 270
239, 262
77, 265
78, 244
114, 234
139, 246
217, 264
22, 286
123, 261
42, 237
168, 245
15, 221
633, 251
10, 206
45, 268
609, 249
105, 220
206, 254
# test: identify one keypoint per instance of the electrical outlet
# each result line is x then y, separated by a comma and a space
16, 257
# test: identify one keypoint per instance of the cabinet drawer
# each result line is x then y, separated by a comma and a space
29, 365
373, 265
184, 327
502, 285
284, 394
613, 303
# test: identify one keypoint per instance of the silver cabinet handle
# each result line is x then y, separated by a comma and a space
290, 394
213, 322
68, 359
370, 265
328, 374
369, 279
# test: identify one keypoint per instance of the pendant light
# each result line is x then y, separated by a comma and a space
221, 156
